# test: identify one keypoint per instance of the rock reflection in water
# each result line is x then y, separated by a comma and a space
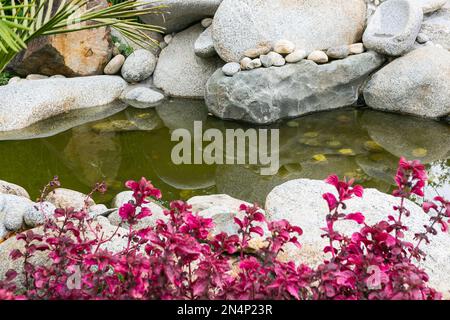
361, 144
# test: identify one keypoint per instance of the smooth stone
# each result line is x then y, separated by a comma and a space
255, 63
422, 38
437, 27
168, 38
99, 210
38, 213
14, 189
36, 77
340, 52
301, 203
29, 102
272, 59
181, 13
204, 46
13, 209
222, 209
296, 56
14, 80
318, 56
265, 95
66, 198
57, 76
310, 24
429, 6
421, 90
245, 63
231, 68
207, 22
356, 48
261, 49
138, 66
180, 72
3, 232
284, 47
142, 97
114, 65
393, 28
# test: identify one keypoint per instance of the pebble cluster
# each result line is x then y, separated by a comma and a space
284, 51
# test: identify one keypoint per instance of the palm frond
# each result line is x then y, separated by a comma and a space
22, 21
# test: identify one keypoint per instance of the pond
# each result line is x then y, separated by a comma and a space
115, 143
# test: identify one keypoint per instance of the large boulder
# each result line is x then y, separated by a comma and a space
301, 203
81, 53
417, 83
311, 24
266, 95
28, 102
180, 72
437, 27
394, 27
66, 198
180, 13
11, 188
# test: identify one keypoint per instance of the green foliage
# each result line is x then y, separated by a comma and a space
124, 48
21, 22
4, 78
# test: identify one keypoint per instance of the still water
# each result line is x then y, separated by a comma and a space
115, 143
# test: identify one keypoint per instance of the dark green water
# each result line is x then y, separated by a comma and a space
131, 143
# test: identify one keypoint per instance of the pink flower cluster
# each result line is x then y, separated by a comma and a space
182, 258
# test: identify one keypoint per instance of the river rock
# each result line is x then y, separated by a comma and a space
393, 28
37, 213
181, 13
429, 6
36, 77
261, 49
301, 203
420, 90
66, 198
436, 28
81, 53
28, 102
142, 97
309, 24
14, 189
231, 68
221, 208
284, 47
138, 66
339, 52
207, 22
127, 196
114, 65
180, 72
356, 48
296, 56
203, 46
13, 209
318, 56
272, 59
266, 95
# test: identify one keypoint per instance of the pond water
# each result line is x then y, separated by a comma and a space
82, 149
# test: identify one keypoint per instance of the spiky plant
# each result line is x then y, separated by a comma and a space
24, 20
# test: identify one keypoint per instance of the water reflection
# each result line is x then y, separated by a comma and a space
362, 144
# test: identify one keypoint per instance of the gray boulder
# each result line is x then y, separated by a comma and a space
417, 83
138, 66
66, 198
266, 95
436, 28
13, 209
301, 203
28, 102
11, 188
310, 24
37, 213
181, 13
204, 46
142, 97
180, 72
393, 28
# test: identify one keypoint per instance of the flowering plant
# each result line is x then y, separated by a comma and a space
182, 257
